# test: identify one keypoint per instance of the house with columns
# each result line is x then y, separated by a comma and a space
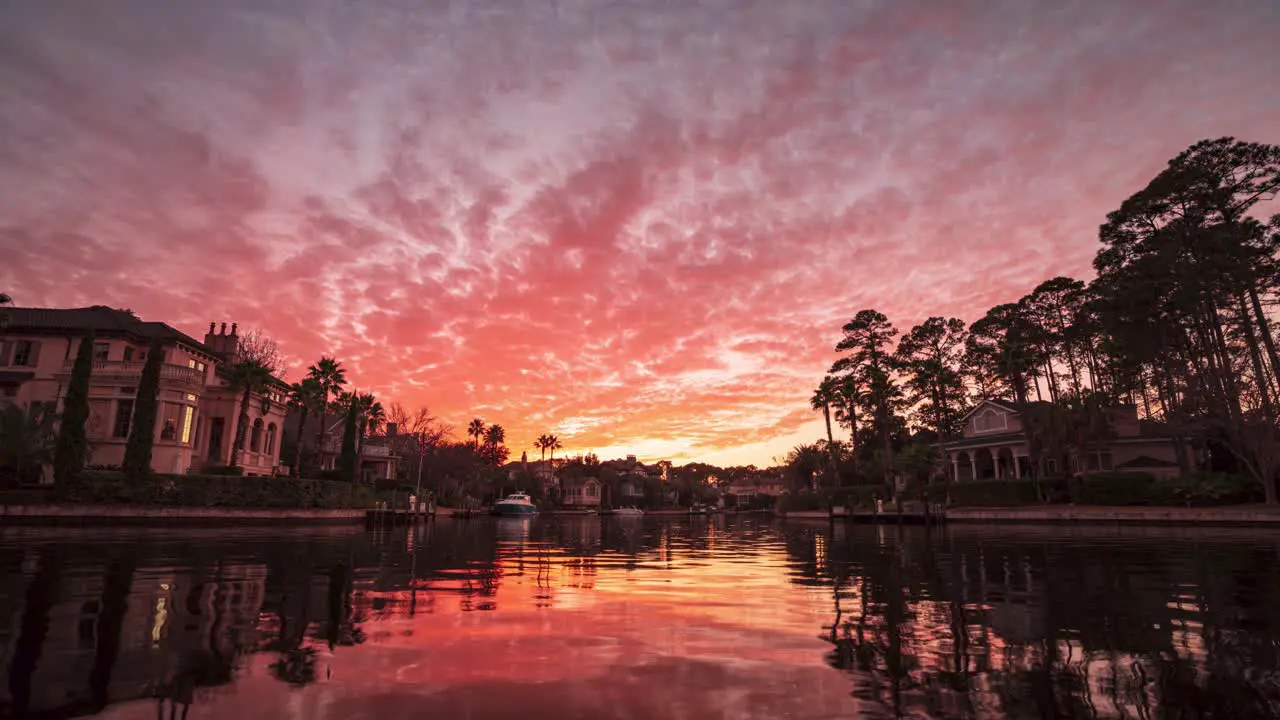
994, 445
197, 412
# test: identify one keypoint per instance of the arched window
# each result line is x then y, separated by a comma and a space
271, 439
255, 440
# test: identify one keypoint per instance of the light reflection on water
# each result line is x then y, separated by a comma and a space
727, 617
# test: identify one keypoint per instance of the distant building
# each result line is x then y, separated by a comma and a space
380, 455
580, 492
197, 414
994, 445
747, 488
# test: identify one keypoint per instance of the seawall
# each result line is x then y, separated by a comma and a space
149, 515
1068, 515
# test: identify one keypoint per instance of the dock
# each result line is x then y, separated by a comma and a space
391, 517
907, 513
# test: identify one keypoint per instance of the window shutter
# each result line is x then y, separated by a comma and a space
34, 359
6, 347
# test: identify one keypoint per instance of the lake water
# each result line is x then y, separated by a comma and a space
727, 617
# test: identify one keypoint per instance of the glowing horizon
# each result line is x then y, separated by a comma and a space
636, 225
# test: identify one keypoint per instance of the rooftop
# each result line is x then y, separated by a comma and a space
102, 320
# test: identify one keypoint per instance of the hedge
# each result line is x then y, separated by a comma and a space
983, 493
103, 487
1103, 489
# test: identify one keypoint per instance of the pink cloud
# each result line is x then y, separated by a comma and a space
641, 224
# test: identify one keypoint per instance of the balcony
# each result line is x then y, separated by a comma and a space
375, 451
131, 372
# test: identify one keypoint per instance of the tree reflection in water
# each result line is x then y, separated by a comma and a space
952, 623
958, 623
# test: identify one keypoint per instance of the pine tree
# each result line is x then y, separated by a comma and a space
73, 446
142, 430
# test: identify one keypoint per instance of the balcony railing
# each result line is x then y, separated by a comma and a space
379, 451
132, 371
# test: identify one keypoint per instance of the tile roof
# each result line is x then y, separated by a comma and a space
99, 318
978, 440
1004, 404
1145, 461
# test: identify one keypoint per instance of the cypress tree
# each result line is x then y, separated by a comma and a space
347, 460
142, 431
72, 447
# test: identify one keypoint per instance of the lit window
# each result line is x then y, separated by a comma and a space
191, 397
187, 413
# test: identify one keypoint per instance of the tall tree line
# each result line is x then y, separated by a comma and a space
1177, 322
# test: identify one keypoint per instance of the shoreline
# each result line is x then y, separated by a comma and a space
1064, 515
158, 515
1230, 515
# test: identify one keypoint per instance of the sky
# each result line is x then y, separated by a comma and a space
637, 224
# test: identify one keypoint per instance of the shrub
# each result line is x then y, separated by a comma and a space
235, 470
802, 502
1114, 488
984, 493
857, 496
1206, 490
96, 487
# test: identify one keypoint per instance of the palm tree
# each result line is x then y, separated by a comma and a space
369, 414
542, 443
246, 376
330, 377
304, 396
553, 444
823, 398
846, 399
476, 430
374, 415
495, 436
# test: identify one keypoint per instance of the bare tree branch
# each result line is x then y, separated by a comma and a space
258, 347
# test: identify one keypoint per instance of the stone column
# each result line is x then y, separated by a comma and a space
955, 467
995, 461
1017, 466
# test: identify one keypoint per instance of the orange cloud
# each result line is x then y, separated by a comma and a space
638, 225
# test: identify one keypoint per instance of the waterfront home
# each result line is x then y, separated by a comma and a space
994, 445
380, 454
580, 492
744, 489
197, 413
544, 470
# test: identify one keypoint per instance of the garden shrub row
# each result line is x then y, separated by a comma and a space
228, 491
1106, 489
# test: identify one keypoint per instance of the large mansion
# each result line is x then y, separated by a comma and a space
994, 445
197, 413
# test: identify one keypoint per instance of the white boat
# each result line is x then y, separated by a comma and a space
514, 504
628, 511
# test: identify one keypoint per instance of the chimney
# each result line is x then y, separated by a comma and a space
222, 343
392, 428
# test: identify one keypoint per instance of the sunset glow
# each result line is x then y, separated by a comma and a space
636, 224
